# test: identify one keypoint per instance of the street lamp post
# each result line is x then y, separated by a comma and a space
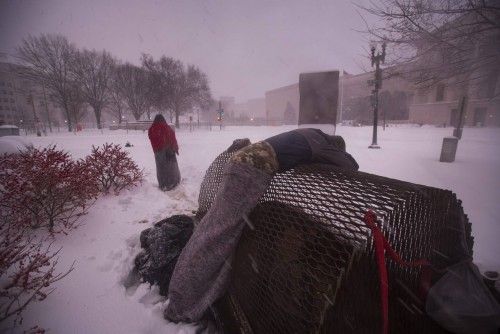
376, 60
36, 121
220, 115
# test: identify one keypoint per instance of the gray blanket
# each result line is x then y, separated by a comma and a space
202, 271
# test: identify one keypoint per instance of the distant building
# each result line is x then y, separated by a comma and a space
440, 105
17, 108
354, 103
22, 102
278, 101
400, 99
228, 104
253, 111
472, 71
256, 109
395, 98
13, 104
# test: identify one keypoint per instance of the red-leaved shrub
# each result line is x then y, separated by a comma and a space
27, 269
45, 188
114, 169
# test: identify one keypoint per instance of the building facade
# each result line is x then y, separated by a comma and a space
355, 102
283, 104
468, 67
256, 109
12, 108
24, 103
440, 104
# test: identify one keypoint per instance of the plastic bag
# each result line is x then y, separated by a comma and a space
461, 303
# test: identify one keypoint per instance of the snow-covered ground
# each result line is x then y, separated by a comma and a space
92, 299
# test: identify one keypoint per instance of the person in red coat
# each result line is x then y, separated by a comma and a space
165, 148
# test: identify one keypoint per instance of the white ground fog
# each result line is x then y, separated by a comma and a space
92, 298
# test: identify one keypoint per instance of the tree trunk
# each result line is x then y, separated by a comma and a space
120, 116
47, 108
97, 112
176, 118
68, 116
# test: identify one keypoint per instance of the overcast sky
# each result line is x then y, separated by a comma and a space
245, 47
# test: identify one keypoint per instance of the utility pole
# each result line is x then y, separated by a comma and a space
376, 60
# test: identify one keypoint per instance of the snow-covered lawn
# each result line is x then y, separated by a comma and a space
92, 299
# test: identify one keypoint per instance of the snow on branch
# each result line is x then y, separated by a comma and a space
113, 167
27, 270
45, 188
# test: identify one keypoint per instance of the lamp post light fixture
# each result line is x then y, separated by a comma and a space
376, 58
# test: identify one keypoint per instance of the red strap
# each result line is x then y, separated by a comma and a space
381, 244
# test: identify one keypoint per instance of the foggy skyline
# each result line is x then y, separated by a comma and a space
245, 47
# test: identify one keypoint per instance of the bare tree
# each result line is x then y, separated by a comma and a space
92, 71
132, 83
116, 106
191, 90
456, 42
48, 113
48, 62
76, 104
161, 81
175, 88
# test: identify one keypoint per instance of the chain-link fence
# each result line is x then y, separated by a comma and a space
306, 263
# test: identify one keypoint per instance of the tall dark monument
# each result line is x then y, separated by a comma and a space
319, 95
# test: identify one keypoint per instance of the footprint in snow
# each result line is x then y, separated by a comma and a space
126, 200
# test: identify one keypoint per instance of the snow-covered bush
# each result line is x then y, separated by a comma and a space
114, 168
27, 270
45, 188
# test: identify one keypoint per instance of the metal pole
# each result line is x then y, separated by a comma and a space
458, 131
376, 59
341, 97
375, 122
